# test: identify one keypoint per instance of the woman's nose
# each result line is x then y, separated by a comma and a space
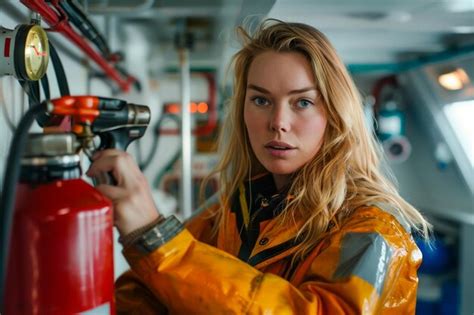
280, 119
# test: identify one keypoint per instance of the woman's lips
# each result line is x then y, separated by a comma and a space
279, 148
279, 145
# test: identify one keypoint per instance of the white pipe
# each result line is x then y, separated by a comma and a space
186, 175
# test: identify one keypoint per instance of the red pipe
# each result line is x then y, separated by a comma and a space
60, 24
212, 117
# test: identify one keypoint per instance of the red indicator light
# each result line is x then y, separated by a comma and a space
6, 48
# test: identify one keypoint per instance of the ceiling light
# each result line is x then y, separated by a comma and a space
454, 80
463, 29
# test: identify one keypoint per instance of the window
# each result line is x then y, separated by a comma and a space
460, 116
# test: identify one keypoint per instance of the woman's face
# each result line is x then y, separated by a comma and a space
283, 113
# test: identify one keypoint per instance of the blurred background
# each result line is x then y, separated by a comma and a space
412, 60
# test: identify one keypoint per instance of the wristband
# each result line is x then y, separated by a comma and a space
159, 235
131, 237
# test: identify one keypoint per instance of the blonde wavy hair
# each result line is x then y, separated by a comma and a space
346, 172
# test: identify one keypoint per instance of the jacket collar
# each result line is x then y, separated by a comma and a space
255, 206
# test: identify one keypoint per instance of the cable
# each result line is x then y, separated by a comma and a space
22, 103
7, 201
79, 19
45, 86
144, 165
31, 89
169, 165
59, 71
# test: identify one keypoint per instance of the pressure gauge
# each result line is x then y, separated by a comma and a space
25, 52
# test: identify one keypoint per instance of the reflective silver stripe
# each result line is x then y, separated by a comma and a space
386, 207
365, 255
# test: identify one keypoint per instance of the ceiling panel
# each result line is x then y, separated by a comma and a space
382, 30
363, 31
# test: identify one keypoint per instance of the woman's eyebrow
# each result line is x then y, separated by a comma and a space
257, 88
310, 88
298, 91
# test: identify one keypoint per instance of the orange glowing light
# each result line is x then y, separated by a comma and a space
194, 107
202, 107
173, 108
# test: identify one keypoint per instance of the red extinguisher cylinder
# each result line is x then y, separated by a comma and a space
61, 252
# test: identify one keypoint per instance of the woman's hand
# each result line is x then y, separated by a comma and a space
131, 197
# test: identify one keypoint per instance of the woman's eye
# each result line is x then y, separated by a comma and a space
260, 101
304, 103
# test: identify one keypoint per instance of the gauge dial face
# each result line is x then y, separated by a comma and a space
36, 53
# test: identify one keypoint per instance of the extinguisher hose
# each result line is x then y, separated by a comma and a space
7, 201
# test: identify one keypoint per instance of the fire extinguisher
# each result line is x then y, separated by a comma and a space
60, 257
61, 252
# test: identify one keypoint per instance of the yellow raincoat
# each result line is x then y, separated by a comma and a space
368, 265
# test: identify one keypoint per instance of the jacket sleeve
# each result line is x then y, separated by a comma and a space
133, 297
359, 271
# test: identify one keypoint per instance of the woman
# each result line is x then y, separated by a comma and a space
306, 223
